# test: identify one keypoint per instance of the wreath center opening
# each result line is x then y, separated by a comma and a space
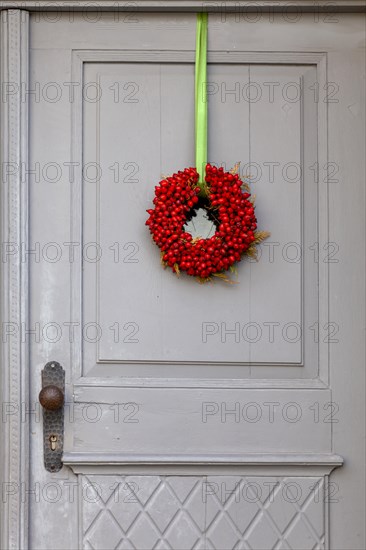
202, 220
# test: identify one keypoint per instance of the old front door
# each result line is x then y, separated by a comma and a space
196, 416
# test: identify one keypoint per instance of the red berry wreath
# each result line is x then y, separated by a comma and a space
227, 203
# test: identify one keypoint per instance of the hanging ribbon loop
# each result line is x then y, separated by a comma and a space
201, 99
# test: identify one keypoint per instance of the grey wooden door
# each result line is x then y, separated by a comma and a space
206, 417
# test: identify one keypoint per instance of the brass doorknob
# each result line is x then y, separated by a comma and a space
51, 398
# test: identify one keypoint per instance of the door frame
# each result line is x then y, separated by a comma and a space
14, 208
14, 381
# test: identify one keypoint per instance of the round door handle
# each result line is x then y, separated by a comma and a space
51, 398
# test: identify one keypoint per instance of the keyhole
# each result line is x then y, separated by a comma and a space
53, 440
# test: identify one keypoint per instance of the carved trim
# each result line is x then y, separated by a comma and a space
188, 56
14, 275
255, 464
190, 5
232, 383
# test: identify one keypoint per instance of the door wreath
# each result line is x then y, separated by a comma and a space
224, 196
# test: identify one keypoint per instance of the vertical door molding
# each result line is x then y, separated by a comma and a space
14, 279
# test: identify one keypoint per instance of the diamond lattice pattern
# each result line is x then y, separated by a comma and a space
222, 513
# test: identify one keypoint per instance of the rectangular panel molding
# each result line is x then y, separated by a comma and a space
97, 218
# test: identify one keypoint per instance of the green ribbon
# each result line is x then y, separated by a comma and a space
201, 99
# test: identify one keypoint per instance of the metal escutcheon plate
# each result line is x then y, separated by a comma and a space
53, 420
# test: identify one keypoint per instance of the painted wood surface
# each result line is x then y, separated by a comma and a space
177, 415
